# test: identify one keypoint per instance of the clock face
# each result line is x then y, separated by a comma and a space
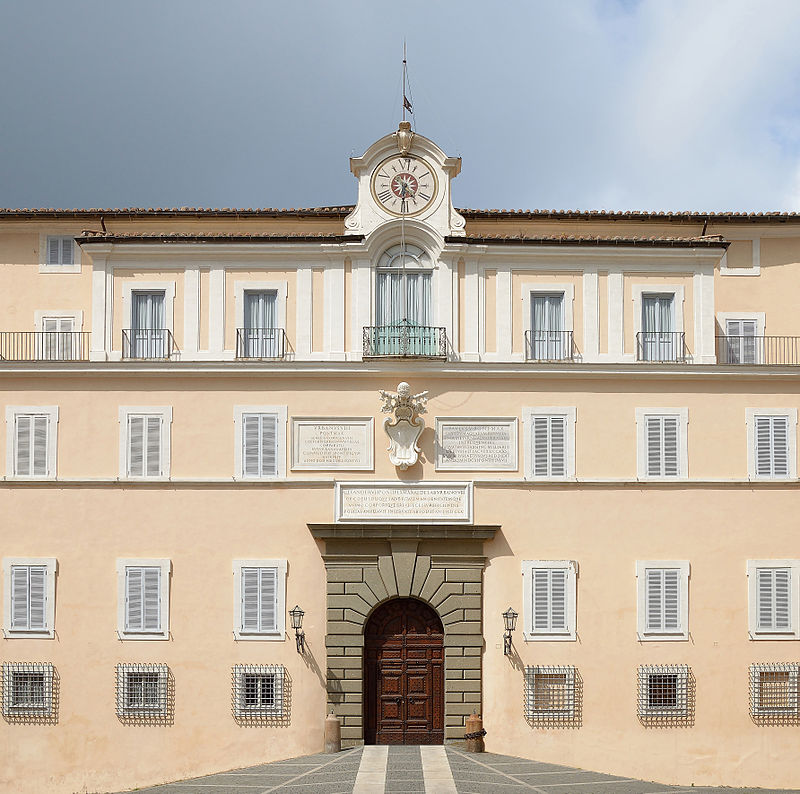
404, 185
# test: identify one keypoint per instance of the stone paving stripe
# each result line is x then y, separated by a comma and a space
489, 768
333, 760
436, 770
371, 777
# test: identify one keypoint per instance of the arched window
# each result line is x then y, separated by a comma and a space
403, 287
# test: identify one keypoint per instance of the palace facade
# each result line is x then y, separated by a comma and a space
404, 419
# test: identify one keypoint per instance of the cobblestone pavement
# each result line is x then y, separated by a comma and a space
434, 770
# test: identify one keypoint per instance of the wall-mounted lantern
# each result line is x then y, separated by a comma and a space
510, 621
297, 625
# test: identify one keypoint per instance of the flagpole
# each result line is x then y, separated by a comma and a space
403, 285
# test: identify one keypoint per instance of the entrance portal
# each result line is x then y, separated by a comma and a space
404, 674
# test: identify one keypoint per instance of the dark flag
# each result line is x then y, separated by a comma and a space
407, 104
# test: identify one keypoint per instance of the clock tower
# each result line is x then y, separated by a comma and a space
405, 176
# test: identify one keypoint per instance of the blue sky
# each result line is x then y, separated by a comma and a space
590, 104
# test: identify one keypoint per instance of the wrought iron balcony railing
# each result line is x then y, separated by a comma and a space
758, 350
44, 345
405, 340
549, 346
661, 346
260, 343
148, 343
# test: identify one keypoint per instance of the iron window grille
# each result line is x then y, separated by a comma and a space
258, 690
28, 690
550, 693
774, 690
664, 691
142, 691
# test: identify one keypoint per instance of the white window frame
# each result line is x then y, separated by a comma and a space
167, 287
565, 714
165, 412
166, 570
51, 566
793, 632
682, 692
759, 317
750, 420
568, 301
51, 412
641, 600
124, 671
239, 289
682, 415
676, 290
75, 267
571, 415
280, 438
280, 615
76, 315
570, 634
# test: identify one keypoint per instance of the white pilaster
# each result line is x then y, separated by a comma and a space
333, 339
98, 345
471, 310
216, 309
191, 309
444, 299
591, 315
616, 324
503, 310
704, 321
362, 304
305, 310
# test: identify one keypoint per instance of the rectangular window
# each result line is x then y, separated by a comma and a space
143, 592
658, 341
550, 442
60, 252
663, 597
58, 343
142, 690
145, 442
27, 689
29, 593
773, 594
550, 693
664, 691
662, 442
773, 689
259, 599
549, 599
547, 339
258, 690
261, 338
772, 443
260, 441
259, 445
31, 441
148, 331
741, 343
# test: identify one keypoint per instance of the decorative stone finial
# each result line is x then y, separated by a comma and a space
404, 136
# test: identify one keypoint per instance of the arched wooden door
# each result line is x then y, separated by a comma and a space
404, 674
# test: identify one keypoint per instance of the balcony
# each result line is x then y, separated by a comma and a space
549, 346
780, 350
148, 343
44, 345
260, 343
405, 340
665, 347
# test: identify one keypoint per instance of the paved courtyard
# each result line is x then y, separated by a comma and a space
405, 770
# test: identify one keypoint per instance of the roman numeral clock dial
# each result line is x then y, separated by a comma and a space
404, 185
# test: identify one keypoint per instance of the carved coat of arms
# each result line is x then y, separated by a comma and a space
406, 426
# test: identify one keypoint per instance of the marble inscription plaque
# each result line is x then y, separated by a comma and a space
470, 444
417, 503
332, 444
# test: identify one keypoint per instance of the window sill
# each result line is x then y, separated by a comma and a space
272, 637
130, 635
23, 634
663, 637
549, 637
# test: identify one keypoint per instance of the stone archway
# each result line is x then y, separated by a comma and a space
439, 564
404, 674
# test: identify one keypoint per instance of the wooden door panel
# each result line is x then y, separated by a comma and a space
404, 675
